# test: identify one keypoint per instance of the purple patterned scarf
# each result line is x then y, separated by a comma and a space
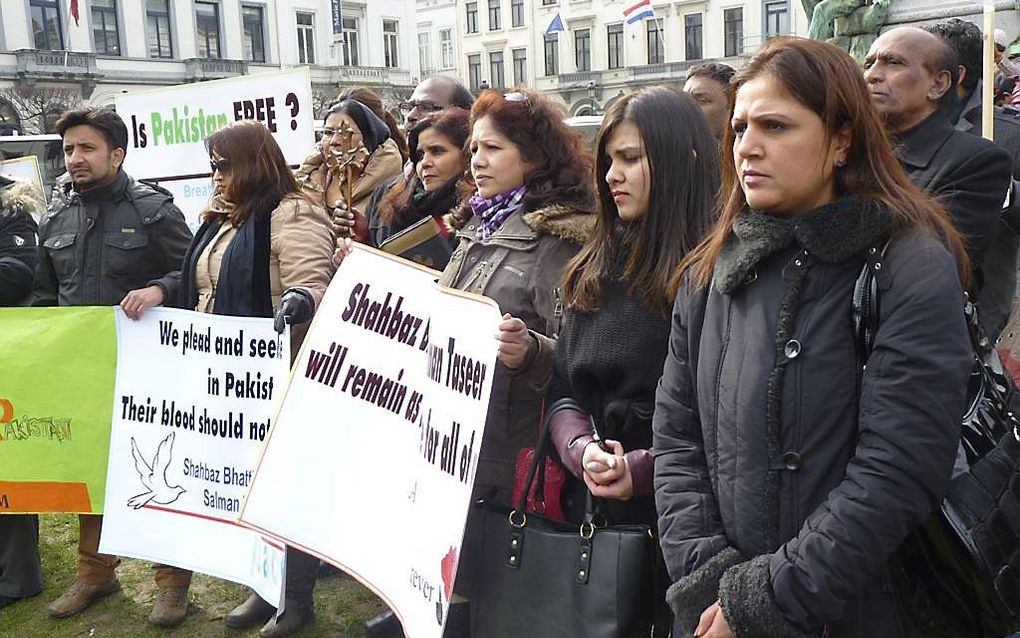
495, 210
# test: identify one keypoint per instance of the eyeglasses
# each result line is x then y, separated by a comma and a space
422, 105
222, 165
519, 97
327, 133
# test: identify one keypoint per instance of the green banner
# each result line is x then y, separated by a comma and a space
56, 403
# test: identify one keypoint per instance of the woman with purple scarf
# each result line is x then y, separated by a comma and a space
532, 210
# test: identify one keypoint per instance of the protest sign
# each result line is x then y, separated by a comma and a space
167, 126
56, 394
25, 169
371, 460
193, 401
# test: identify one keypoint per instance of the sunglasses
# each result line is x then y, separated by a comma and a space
222, 165
421, 105
518, 97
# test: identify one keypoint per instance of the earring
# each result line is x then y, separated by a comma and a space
841, 163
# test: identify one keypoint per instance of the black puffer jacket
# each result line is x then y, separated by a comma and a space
784, 477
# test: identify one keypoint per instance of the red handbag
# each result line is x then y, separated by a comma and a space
546, 495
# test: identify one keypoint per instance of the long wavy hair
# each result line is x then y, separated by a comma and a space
259, 175
559, 168
683, 182
827, 81
452, 124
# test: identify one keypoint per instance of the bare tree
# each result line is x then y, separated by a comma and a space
38, 107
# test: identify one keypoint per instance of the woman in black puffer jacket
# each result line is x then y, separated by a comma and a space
787, 473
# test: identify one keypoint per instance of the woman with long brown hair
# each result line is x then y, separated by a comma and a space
789, 464
263, 250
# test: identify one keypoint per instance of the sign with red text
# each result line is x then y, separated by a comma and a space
372, 459
188, 425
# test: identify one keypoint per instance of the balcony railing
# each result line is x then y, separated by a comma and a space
197, 69
35, 62
580, 77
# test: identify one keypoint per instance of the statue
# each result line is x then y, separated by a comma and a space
852, 25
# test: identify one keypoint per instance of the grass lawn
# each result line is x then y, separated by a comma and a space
341, 604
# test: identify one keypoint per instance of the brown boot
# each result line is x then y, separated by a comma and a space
171, 606
295, 616
79, 596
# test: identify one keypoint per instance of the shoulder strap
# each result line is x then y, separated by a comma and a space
865, 303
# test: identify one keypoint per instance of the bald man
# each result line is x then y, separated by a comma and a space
912, 76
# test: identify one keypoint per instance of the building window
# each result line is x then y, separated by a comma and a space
306, 38
733, 32
520, 67
350, 45
474, 71
104, 27
390, 43
254, 37
777, 18
614, 33
493, 15
446, 47
157, 21
692, 36
207, 29
582, 49
496, 76
546, 3
424, 53
472, 17
656, 48
552, 55
46, 25
517, 13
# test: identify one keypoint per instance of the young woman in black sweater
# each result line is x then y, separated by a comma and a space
657, 173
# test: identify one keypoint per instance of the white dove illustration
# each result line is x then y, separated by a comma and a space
154, 476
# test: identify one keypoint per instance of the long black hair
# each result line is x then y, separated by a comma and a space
683, 180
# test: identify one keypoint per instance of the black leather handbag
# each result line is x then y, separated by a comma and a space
965, 560
540, 578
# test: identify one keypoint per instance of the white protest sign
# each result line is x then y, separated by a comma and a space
25, 169
372, 459
194, 397
167, 126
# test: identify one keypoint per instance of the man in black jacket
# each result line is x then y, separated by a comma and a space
104, 235
20, 568
912, 74
1000, 265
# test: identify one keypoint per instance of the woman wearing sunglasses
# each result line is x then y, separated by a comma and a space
350, 125
263, 249
531, 211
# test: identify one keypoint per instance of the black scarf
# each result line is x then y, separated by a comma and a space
425, 203
243, 288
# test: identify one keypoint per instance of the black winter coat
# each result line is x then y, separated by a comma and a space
784, 477
968, 174
99, 245
17, 240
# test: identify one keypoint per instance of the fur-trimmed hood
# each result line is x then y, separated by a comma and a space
565, 222
18, 197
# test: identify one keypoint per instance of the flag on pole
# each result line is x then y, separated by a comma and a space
639, 11
555, 25
74, 11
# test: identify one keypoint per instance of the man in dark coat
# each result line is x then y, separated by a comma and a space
104, 235
912, 74
20, 568
1000, 265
